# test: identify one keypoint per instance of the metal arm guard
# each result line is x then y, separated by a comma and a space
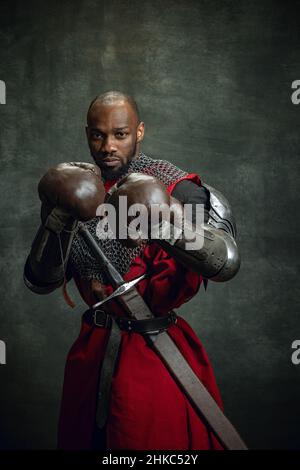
218, 259
44, 270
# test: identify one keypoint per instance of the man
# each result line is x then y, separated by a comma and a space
146, 407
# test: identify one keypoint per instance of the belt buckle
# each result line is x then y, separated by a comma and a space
107, 323
172, 320
173, 317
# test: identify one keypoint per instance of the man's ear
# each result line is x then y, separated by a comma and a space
140, 132
87, 132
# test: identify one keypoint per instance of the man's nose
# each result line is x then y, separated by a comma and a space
109, 145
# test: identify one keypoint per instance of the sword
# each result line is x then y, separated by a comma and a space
167, 350
126, 286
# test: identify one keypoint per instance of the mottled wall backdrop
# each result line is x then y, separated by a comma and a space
213, 81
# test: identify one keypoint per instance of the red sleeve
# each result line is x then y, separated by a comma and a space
191, 177
170, 284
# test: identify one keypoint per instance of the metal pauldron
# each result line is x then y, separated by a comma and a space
223, 252
218, 258
220, 213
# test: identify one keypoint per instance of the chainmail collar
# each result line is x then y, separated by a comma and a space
81, 258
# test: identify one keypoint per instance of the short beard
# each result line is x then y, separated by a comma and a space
108, 174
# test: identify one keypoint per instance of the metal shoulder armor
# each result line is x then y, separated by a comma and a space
224, 228
217, 257
220, 213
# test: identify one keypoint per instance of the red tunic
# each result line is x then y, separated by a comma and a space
147, 408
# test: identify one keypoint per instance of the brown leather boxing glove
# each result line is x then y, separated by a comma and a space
139, 188
75, 188
69, 192
147, 191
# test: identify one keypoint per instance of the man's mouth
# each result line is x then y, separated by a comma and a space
110, 161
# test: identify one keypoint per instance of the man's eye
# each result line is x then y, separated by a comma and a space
97, 136
121, 135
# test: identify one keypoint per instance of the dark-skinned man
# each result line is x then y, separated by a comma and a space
146, 407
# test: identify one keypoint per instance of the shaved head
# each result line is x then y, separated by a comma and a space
113, 98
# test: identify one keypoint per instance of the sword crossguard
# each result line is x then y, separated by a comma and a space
125, 287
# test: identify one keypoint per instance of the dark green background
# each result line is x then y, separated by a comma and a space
213, 81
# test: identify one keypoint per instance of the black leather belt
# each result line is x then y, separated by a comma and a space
153, 325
